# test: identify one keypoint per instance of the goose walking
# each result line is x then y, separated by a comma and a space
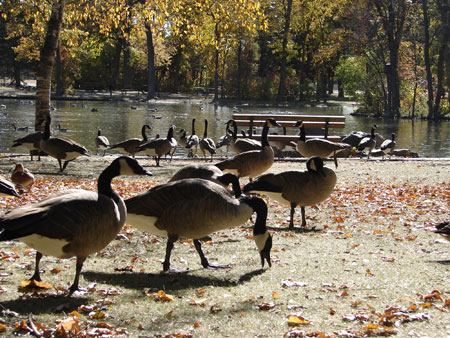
389, 145
368, 143
194, 208
131, 145
101, 142
61, 148
252, 163
317, 146
207, 144
32, 142
74, 222
159, 147
303, 188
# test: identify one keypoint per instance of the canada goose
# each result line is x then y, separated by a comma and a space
194, 208
389, 144
61, 148
304, 188
368, 143
252, 163
241, 145
317, 146
19, 128
159, 147
183, 138
7, 188
208, 172
22, 176
282, 144
207, 144
131, 145
61, 130
443, 229
192, 141
32, 142
73, 222
224, 141
101, 142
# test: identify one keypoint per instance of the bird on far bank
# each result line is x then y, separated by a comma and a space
72, 222
101, 142
297, 188
368, 143
389, 145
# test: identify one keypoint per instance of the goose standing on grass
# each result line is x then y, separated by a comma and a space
241, 145
194, 208
192, 141
211, 173
22, 176
303, 188
443, 229
61, 148
317, 146
7, 188
101, 142
389, 144
368, 143
159, 147
73, 222
252, 163
32, 142
131, 145
207, 144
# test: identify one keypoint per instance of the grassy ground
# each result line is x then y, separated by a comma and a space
367, 264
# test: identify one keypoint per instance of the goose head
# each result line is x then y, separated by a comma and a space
125, 165
315, 164
272, 123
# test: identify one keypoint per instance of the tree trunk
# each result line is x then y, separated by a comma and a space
58, 75
17, 75
216, 70
443, 57
116, 65
174, 70
239, 52
151, 84
287, 24
126, 82
47, 59
426, 52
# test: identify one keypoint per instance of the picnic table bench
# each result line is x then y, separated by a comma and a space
318, 125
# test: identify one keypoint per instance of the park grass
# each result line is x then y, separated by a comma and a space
367, 264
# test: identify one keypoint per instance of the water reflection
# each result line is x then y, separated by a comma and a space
122, 120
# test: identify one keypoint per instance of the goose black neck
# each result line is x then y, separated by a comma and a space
234, 132
99, 132
260, 207
372, 132
46, 134
170, 133
228, 178
193, 126
144, 135
104, 181
302, 133
205, 133
264, 138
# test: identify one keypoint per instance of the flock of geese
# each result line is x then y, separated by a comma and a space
193, 204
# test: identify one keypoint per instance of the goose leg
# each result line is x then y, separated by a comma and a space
170, 240
203, 259
74, 287
60, 165
65, 165
335, 159
291, 222
36, 276
303, 217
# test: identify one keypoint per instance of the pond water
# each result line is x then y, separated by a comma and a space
122, 120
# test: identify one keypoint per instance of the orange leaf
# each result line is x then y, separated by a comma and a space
55, 271
295, 320
2, 327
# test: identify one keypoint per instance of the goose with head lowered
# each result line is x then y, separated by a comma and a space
318, 146
32, 142
101, 142
194, 208
61, 148
252, 163
207, 144
131, 145
368, 143
208, 172
192, 141
160, 146
303, 188
72, 222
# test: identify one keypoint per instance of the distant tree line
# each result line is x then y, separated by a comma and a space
392, 56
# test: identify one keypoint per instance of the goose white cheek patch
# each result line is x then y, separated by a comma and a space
261, 240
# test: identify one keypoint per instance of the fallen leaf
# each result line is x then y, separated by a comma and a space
297, 320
